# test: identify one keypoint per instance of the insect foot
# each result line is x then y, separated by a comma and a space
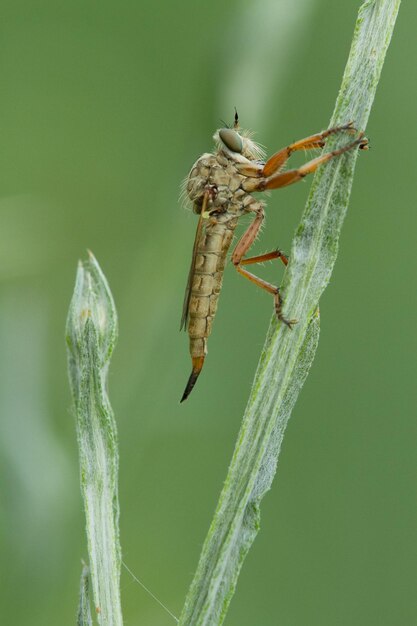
289, 323
278, 311
363, 143
281, 255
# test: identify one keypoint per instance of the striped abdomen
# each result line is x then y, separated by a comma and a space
206, 283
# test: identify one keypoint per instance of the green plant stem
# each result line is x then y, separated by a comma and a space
91, 337
287, 356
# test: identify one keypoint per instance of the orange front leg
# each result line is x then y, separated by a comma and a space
277, 160
282, 179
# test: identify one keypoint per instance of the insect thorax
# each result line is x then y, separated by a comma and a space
219, 173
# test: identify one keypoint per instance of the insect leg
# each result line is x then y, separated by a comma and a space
238, 261
248, 237
263, 284
282, 179
277, 160
269, 256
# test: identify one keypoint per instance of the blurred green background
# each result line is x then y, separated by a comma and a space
104, 107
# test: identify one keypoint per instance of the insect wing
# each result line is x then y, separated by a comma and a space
187, 296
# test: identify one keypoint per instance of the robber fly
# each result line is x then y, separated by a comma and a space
220, 187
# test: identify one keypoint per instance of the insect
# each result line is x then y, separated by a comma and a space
220, 187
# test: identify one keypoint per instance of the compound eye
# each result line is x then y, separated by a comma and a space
231, 139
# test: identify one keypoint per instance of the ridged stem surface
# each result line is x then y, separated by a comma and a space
91, 337
287, 356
